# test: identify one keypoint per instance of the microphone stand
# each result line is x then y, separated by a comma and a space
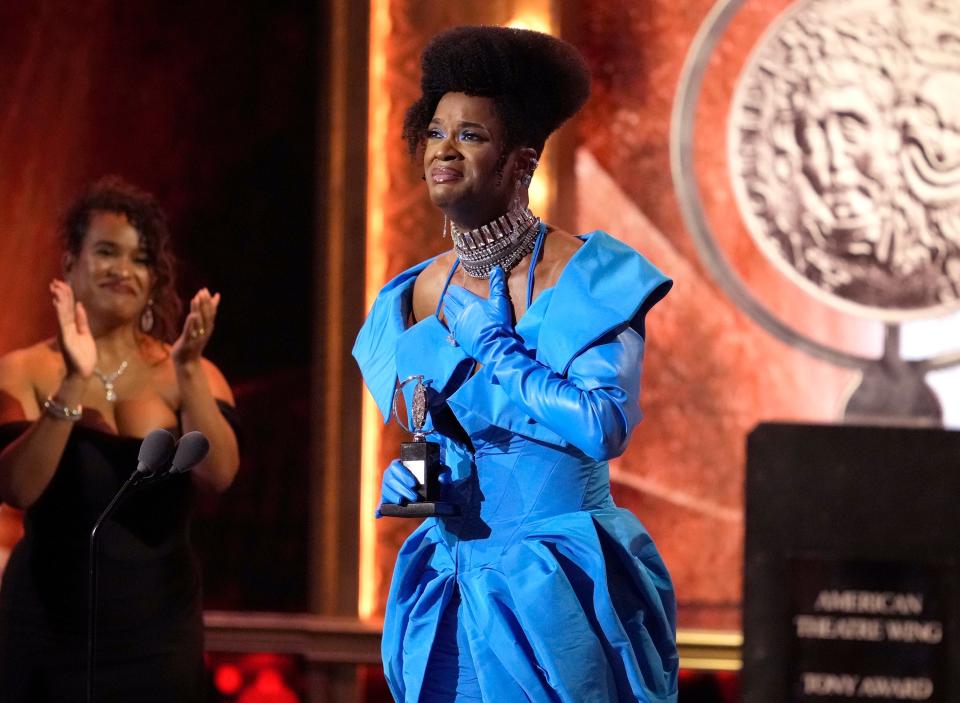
137, 478
190, 450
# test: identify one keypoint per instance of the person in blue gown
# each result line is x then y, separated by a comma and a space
529, 341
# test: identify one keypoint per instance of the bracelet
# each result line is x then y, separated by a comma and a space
55, 408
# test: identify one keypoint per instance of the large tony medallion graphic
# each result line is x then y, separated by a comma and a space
837, 123
844, 150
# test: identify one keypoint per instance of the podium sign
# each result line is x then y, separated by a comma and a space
867, 630
851, 588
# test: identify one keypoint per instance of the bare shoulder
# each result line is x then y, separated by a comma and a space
14, 370
33, 363
558, 248
22, 373
166, 379
429, 285
219, 386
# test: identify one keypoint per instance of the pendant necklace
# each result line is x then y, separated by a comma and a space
109, 379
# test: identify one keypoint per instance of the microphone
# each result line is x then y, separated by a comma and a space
191, 450
155, 451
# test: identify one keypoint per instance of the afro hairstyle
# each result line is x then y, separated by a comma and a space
536, 81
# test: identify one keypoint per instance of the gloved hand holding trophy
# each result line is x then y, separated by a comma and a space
411, 486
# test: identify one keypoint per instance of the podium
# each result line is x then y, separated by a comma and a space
851, 588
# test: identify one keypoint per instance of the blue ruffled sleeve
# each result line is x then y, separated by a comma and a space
574, 379
376, 345
606, 286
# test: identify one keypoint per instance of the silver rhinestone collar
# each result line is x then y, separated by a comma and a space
503, 242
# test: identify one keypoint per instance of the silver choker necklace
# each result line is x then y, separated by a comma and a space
503, 242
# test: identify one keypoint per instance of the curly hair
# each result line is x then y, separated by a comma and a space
115, 195
536, 81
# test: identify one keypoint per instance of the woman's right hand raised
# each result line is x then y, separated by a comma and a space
76, 341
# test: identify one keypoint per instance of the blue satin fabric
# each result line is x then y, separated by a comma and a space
555, 593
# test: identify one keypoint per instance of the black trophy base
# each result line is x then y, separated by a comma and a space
424, 508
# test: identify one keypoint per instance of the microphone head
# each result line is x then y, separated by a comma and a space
155, 451
191, 450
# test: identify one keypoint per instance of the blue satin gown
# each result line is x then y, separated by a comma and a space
542, 589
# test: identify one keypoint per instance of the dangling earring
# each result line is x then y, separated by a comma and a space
146, 318
515, 205
527, 178
523, 182
446, 227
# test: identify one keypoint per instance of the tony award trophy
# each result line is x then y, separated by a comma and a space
421, 458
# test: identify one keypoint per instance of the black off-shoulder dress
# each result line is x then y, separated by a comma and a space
150, 628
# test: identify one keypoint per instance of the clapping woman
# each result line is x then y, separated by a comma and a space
73, 410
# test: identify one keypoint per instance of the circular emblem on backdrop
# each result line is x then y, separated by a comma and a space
844, 153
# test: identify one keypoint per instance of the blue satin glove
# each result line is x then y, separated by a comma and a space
594, 408
479, 325
399, 486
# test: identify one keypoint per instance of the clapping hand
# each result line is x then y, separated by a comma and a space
197, 327
76, 341
476, 323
